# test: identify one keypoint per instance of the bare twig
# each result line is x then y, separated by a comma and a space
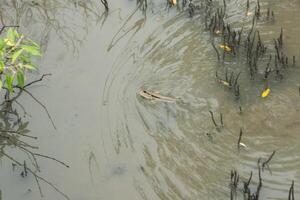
268, 160
37, 177
221, 119
104, 2
10, 26
45, 108
212, 118
38, 80
18, 133
291, 192
218, 54
51, 158
240, 138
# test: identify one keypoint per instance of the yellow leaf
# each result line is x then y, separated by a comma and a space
173, 2
224, 82
265, 93
249, 13
225, 47
8, 42
218, 32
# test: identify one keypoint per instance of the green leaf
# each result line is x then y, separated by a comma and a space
20, 79
29, 66
10, 35
17, 35
9, 82
24, 59
2, 44
1, 84
31, 42
16, 55
35, 51
1, 66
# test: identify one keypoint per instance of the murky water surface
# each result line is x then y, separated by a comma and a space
122, 146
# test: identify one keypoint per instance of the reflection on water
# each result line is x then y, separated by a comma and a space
158, 150
68, 20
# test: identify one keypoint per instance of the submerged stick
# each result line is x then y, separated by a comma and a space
236, 79
221, 119
218, 54
294, 61
37, 177
248, 6
291, 192
268, 160
260, 180
41, 104
212, 118
240, 138
104, 2
51, 158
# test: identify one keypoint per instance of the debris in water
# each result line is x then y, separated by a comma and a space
225, 47
249, 13
265, 93
218, 32
224, 82
240, 144
243, 145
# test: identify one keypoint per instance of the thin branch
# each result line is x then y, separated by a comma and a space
18, 133
38, 80
37, 177
221, 119
45, 108
104, 2
218, 54
291, 192
240, 138
212, 118
268, 160
37, 154
10, 26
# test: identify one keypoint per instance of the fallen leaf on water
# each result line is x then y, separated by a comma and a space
173, 2
265, 93
249, 13
224, 82
225, 47
243, 145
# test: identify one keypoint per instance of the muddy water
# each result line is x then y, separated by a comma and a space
121, 146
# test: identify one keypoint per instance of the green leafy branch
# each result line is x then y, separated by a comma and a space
16, 53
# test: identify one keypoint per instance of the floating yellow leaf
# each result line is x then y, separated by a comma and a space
218, 32
265, 93
249, 13
224, 82
225, 47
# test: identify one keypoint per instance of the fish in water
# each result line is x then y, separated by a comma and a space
155, 96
